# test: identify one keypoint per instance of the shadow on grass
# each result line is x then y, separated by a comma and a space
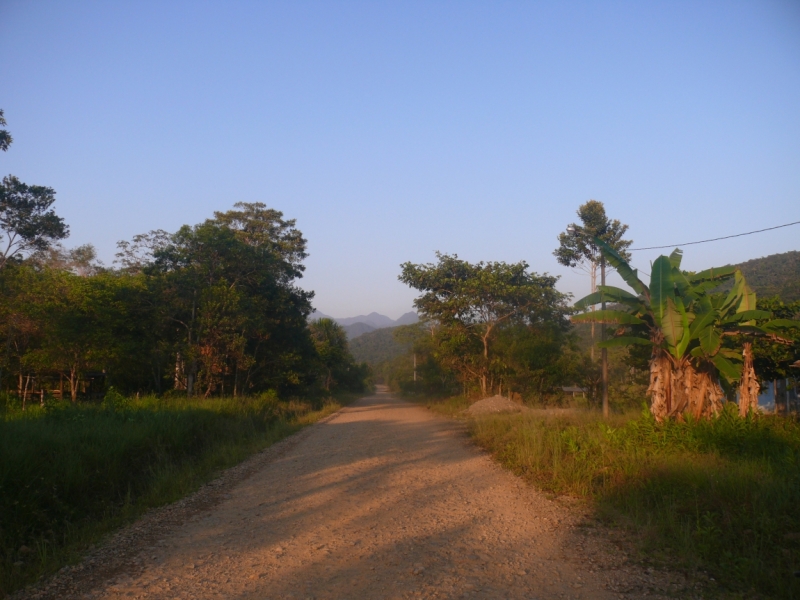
720, 495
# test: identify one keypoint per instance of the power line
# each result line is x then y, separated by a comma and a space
727, 237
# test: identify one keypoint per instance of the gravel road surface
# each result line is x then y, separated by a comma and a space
381, 500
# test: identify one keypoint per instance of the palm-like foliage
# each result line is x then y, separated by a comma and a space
684, 321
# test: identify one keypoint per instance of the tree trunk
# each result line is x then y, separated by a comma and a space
748, 386
660, 383
604, 351
73, 385
485, 362
179, 375
695, 393
593, 271
25, 391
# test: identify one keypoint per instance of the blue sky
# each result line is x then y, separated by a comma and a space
392, 130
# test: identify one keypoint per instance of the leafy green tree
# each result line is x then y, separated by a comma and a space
5, 136
27, 223
228, 300
77, 315
330, 341
578, 248
470, 303
537, 360
773, 356
81, 260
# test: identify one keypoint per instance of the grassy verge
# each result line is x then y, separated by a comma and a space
722, 496
69, 475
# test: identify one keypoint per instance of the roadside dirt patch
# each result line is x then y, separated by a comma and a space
382, 500
493, 405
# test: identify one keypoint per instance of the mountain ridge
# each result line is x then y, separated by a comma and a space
361, 324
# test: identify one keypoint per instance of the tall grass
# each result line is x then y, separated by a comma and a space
69, 474
720, 495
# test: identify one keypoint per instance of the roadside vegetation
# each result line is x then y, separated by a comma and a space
70, 474
719, 496
713, 496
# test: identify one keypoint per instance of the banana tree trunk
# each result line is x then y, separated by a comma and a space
748, 387
660, 391
681, 389
703, 394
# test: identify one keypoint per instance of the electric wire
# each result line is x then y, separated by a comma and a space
727, 237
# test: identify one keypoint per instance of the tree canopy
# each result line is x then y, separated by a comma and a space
27, 221
468, 304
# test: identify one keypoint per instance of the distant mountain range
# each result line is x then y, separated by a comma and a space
356, 326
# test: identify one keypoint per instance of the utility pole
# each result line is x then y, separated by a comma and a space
415, 370
604, 350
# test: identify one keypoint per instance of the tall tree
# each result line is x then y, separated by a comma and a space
471, 302
330, 341
27, 223
577, 248
5, 136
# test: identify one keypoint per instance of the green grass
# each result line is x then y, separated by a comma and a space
69, 475
449, 407
721, 496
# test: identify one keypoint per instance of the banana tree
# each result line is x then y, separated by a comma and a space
684, 322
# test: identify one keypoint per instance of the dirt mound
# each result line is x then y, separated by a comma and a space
493, 405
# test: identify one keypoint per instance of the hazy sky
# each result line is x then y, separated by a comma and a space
392, 130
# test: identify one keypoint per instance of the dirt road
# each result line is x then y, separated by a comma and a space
382, 500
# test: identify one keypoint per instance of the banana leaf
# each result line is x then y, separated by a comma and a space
609, 294
748, 301
706, 317
685, 337
777, 324
735, 294
628, 274
607, 316
675, 258
625, 340
716, 273
726, 368
751, 330
710, 340
698, 290
747, 315
662, 288
618, 292
672, 326
730, 354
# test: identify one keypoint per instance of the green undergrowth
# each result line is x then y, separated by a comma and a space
71, 474
719, 496
449, 407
